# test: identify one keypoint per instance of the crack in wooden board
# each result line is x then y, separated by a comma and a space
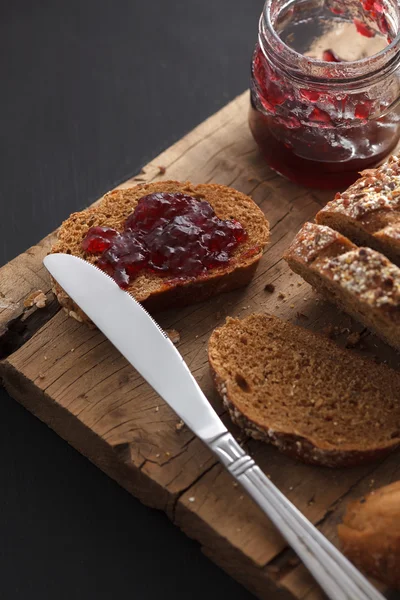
74, 380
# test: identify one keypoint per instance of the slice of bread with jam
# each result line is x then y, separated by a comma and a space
232, 266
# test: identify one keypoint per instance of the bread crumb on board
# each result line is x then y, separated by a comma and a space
180, 425
139, 176
74, 315
173, 335
330, 331
270, 288
300, 315
37, 298
353, 339
161, 169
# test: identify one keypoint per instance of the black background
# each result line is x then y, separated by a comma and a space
90, 91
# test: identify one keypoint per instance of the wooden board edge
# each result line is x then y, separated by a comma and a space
158, 168
19, 278
112, 462
258, 580
84, 440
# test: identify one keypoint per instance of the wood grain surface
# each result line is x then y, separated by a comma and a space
75, 381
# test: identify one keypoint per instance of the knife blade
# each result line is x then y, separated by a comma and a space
139, 339
144, 344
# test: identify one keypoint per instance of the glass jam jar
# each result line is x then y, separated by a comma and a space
325, 88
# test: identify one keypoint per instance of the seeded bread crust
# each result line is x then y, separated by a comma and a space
370, 534
361, 281
368, 212
289, 409
156, 293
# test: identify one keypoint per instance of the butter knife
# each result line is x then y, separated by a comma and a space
146, 346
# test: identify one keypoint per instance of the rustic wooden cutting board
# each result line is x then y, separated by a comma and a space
76, 382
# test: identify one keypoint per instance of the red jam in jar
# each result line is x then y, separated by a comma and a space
174, 235
325, 88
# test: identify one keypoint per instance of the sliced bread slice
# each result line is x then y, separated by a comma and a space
299, 391
361, 281
368, 212
370, 534
154, 291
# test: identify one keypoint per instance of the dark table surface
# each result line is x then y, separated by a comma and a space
91, 90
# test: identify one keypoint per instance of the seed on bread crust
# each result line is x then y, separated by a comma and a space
368, 213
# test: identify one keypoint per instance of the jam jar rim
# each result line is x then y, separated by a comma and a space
300, 67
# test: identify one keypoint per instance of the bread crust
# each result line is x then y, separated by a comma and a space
177, 296
298, 446
370, 534
361, 281
156, 293
368, 212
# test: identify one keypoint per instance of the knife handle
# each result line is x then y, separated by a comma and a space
335, 574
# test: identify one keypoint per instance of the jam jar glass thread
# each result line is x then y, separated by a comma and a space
321, 114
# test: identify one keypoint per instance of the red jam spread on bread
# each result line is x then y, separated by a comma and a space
167, 234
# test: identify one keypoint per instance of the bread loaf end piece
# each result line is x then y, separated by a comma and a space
370, 534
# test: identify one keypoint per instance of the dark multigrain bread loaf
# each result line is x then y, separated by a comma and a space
370, 534
361, 281
156, 292
369, 211
299, 391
